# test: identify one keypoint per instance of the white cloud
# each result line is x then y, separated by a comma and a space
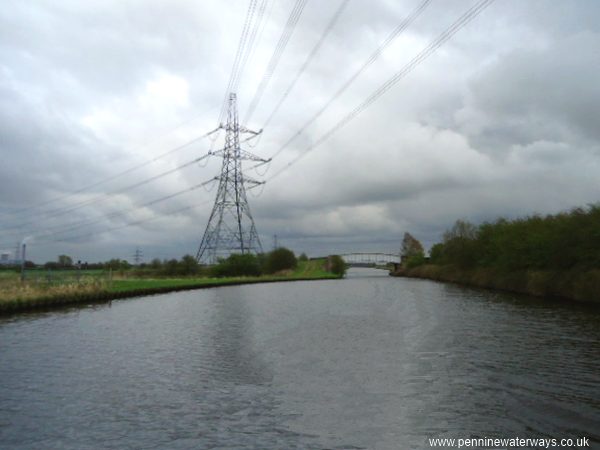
500, 121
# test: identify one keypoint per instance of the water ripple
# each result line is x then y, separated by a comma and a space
363, 363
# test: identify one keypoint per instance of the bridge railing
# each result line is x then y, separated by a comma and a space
370, 258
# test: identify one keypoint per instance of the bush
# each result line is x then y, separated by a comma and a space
280, 259
117, 264
436, 254
170, 267
414, 261
303, 257
156, 264
189, 266
237, 265
336, 265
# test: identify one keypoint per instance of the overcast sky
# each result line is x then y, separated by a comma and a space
503, 120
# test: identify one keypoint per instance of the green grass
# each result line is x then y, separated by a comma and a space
136, 284
312, 270
94, 286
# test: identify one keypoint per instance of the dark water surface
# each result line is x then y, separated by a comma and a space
367, 362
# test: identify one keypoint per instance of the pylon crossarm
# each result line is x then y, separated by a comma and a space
251, 184
248, 130
247, 156
213, 131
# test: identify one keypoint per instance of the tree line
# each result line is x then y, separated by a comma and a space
279, 259
566, 241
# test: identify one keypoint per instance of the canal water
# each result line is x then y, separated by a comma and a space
369, 362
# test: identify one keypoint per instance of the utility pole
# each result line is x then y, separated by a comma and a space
137, 256
23, 263
231, 228
274, 242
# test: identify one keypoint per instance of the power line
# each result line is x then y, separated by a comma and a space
107, 179
372, 58
137, 222
79, 224
309, 58
249, 50
44, 238
262, 27
65, 210
242, 53
424, 54
288, 30
125, 172
234, 75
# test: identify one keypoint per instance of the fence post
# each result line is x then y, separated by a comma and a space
23, 263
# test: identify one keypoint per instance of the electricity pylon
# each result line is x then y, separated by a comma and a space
230, 228
137, 256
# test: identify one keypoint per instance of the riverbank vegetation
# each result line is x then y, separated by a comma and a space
43, 288
554, 255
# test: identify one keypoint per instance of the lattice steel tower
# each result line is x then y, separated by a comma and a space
230, 228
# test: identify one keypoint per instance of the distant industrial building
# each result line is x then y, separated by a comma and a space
6, 260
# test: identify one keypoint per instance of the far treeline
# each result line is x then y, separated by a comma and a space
278, 260
558, 248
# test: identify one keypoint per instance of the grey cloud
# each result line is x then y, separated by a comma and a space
537, 94
500, 121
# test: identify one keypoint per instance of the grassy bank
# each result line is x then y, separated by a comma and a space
16, 296
568, 284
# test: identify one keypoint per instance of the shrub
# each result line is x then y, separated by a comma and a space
336, 265
156, 264
414, 261
117, 264
280, 259
189, 265
237, 265
436, 254
171, 267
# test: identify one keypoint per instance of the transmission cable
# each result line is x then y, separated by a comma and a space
112, 177
103, 197
241, 54
238, 56
395, 33
44, 237
424, 54
127, 225
309, 58
261, 32
250, 47
288, 30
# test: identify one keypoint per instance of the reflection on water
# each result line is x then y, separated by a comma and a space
232, 337
366, 362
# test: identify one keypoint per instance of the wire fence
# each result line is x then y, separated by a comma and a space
41, 278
